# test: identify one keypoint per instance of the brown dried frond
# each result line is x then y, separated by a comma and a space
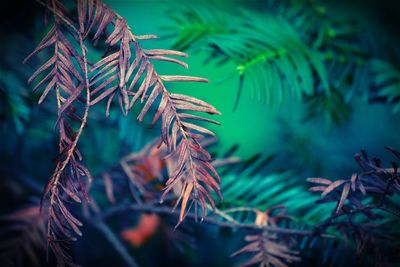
152, 160
138, 80
65, 73
267, 251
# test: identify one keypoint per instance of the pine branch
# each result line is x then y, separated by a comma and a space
316, 53
270, 56
193, 170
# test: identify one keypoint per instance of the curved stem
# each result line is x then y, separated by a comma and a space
117, 244
62, 165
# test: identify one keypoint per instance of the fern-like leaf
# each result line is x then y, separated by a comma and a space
267, 251
270, 56
135, 70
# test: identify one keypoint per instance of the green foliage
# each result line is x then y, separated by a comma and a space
263, 192
305, 49
273, 58
269, 55
196, 23
387, 78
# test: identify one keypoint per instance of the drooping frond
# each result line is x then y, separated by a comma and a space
132, 67
64, 74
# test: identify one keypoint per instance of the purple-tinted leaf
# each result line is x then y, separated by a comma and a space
394, 151
45, 66
168, 59
162, 52
161, 108
45, 79
47, 41
153, 96
319, 181
71, 99
48, 88
343, 197
194, 117
197, 128
119, 26
106, 19
353, 181
193, 100
177, 78
138, 74
105, 61
103, 75
332, 187
146, 37
317, 188
82, 10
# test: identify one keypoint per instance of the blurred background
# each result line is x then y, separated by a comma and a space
303, 134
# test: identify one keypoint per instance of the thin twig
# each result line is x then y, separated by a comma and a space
116, 243
209, 219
